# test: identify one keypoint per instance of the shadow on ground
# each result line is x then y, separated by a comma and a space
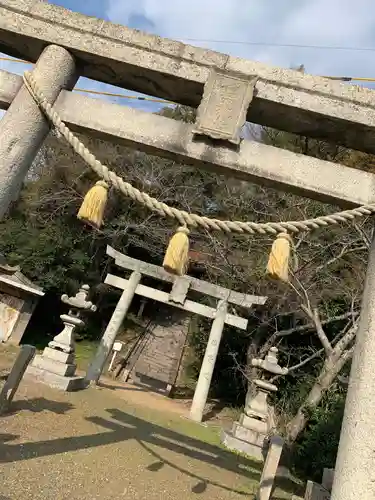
37, 405
182, 392
122, 427
114, 387
7, 437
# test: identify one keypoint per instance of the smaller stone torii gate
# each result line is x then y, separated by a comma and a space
176, 298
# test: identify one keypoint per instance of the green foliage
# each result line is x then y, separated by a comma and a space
228, 383
52, 255
294, 389
317, 446
180, 113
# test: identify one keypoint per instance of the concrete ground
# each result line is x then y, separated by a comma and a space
100, 444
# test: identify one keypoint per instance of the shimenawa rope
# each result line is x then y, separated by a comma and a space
184, 218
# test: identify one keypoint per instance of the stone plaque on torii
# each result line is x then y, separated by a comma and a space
177, 297
283, 99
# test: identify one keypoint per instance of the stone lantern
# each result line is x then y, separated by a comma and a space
258, 406
249, 434
56, 366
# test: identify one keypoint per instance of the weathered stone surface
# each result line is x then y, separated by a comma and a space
128, 58
256, 423
18, 299
208, 363
189, 305
316, 491
150, 369
241, 299
354, 469
15, 376
180, 289
10, 311
252, 423
106, 343
23, 320
254, 162
236, 444
327, 480
250, 435
56, 366
269, 472
63, 369
60, 356
55, 380
270, 364
79, 301
24, 127
9, 86
222, 112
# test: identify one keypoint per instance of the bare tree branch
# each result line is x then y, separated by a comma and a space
365, 238
305, 361
302, 329
314, 315
345, 341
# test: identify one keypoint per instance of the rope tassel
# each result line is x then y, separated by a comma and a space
177, 254
93, 205
278, 262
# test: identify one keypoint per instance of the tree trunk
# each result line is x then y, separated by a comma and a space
251, 371
329, 372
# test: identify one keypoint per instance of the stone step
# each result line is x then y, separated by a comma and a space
62, 357
55, 380
51, 365
236, 444
249, 435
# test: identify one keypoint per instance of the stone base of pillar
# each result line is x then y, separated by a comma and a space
233, 443
56, 381
56, 369
248, 435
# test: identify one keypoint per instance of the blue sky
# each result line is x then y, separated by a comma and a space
215, 23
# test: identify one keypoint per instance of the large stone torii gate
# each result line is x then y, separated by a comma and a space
65, 45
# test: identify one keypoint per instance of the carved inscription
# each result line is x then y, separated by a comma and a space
225, 101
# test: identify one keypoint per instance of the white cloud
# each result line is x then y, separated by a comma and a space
301, 22
304, 22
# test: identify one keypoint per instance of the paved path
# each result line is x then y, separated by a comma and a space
94, 445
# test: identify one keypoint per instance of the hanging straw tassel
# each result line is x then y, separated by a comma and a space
278, 262
176, 256
93, 205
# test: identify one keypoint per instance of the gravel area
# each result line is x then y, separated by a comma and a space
94, 445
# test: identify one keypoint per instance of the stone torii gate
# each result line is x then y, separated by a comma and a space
176, 298
65, 45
